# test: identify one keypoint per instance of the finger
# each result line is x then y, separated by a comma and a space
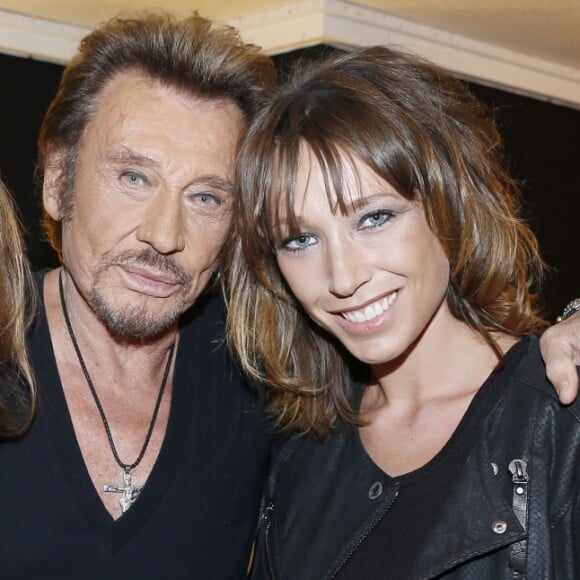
563, 374
560, 346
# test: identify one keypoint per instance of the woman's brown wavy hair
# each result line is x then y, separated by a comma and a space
17, 301
424, 133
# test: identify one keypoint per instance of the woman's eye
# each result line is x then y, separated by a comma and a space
298, 243
376, 219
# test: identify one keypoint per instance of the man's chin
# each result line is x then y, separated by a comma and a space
135, 331
135, 323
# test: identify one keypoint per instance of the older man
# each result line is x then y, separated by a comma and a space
147, 454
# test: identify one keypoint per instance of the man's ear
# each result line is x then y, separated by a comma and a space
54, 167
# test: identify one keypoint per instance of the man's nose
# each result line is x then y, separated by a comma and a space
162, 224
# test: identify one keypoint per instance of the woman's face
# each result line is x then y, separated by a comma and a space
375, 276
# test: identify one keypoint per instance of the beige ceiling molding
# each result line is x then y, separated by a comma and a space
339, 23
38, 38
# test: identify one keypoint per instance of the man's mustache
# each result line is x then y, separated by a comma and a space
147, 257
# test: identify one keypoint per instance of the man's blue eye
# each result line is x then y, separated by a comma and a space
132, 178
208, 198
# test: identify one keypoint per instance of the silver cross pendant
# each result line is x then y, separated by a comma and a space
129, 492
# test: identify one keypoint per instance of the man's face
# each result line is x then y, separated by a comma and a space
152, 202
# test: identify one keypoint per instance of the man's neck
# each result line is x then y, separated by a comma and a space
124, 361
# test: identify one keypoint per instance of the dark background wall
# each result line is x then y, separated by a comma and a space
542, 139
27, 88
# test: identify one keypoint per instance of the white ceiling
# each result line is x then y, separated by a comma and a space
531, 46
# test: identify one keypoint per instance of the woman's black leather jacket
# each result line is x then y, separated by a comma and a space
514, 512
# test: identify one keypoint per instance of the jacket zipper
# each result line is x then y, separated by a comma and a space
268, 511
519, 470
354, 547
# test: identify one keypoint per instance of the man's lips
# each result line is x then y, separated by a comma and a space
153, 275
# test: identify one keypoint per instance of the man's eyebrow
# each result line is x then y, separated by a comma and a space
214, 181
127, 156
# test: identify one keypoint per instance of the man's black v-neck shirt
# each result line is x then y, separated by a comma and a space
196, 514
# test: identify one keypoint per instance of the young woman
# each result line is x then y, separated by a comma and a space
16, 305
380, 227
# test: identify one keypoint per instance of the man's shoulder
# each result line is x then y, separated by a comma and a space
202, 335
205, 319
39, 278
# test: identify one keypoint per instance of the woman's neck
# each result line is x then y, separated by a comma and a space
448, 359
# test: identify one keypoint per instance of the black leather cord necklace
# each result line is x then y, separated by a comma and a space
129, 491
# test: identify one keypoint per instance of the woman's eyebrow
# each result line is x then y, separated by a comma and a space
362, 201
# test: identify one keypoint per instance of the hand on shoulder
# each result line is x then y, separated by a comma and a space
560, 347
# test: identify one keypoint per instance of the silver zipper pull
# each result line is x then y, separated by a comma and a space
519, 470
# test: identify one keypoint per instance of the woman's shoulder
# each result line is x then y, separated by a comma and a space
529, 394
530, 372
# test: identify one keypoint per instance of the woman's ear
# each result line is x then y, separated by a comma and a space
52, 183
